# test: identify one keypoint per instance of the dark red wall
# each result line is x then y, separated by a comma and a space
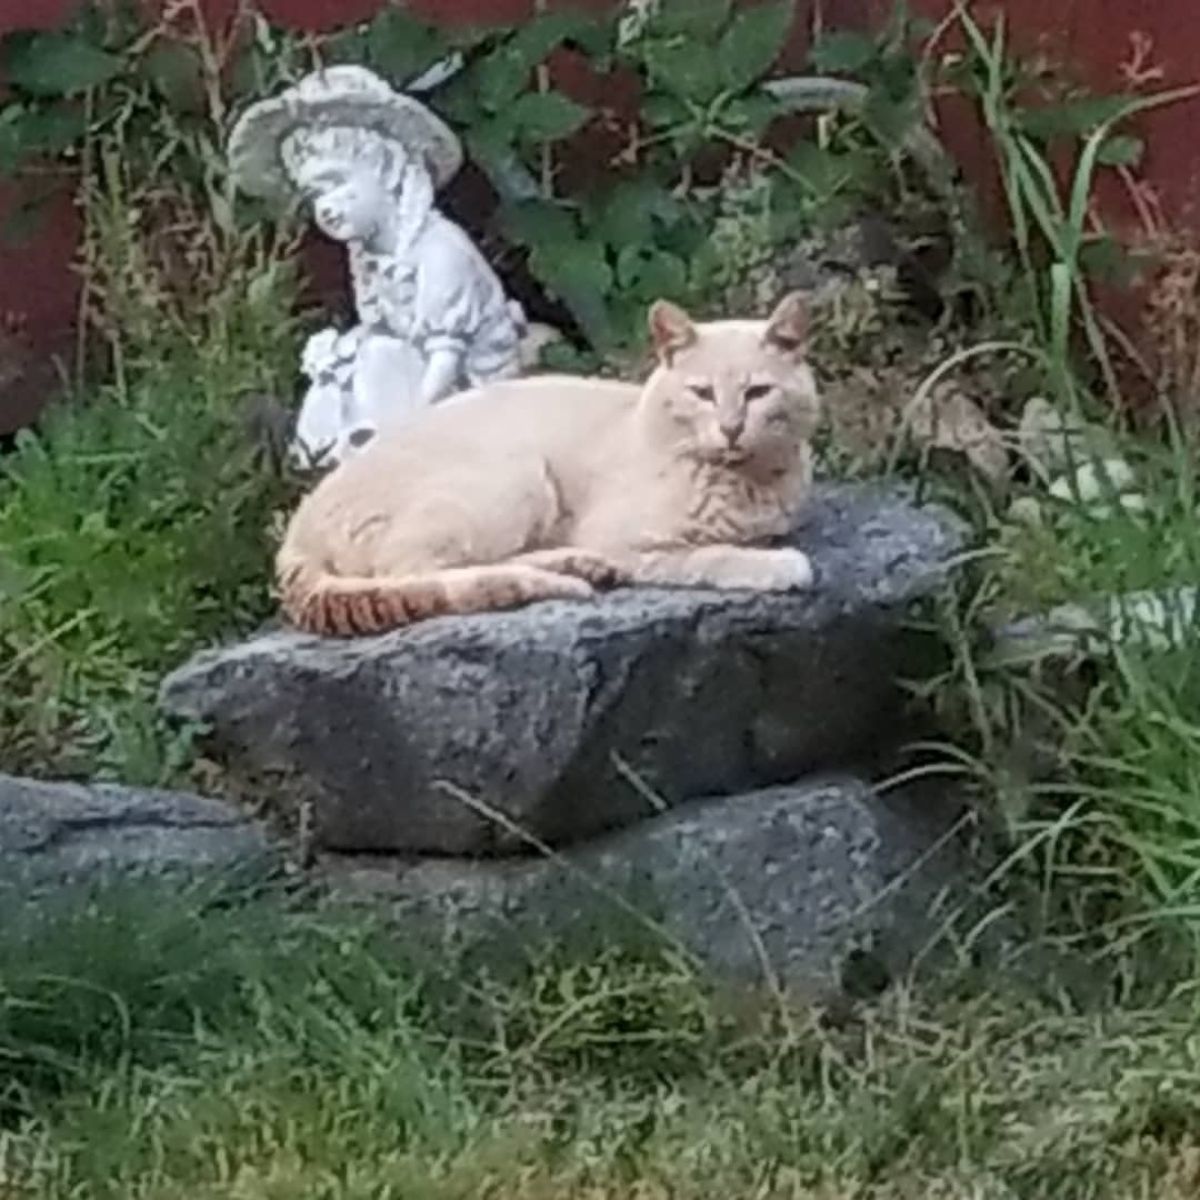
1094, 39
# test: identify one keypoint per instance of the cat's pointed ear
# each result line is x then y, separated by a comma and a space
789, 325
671, 329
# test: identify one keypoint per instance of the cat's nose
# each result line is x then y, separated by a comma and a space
732, 429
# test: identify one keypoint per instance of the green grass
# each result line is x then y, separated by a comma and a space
1095, 758
134, 528
256, 1052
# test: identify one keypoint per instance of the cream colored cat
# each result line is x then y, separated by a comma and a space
549, 487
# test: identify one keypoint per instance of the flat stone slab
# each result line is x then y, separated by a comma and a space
56, 836
824, 886
473, 735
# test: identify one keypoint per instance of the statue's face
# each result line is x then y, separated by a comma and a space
348, 200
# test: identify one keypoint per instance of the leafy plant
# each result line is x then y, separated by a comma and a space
691, 106
1055, 230
135, 523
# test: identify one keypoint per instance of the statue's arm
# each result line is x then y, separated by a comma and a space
442, 372
447, 315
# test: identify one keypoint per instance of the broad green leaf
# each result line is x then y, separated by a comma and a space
347, 46
400, 47
548, 116
753, 42
1104, 258
1072, 118
629, 265
535, 40
685, 230
651, 273
578, 273
538, 223
822, 171
574, 266
661, 111
177, 75
890, 120
1121, 150
50, 131
751, 113
842, 52
490, 141
626, 216
692, 18
685, 69
500, 78
57, 64
27, 133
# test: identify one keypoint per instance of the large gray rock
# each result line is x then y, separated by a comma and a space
821, 886
54, 836
562, 717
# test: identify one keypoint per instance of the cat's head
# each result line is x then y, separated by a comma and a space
733, 392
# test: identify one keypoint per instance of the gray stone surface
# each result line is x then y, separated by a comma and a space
534, 712
820, 886
54, 836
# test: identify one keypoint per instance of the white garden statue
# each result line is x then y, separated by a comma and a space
433, 318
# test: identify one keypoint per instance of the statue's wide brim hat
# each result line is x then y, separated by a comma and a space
336, 96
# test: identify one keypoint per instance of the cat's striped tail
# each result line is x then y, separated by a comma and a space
320, 602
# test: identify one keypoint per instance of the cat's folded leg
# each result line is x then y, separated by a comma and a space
597, 569
783, 570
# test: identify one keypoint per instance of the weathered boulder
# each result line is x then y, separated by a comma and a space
823, 886
561, 719
55, 836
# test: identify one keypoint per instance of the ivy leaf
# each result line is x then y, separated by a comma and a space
578, 273
50, 131
177, 75
684, 232
400, 47
57, 64
823, 172
573, 265
651, 273
489, 142
537, 39
1104, 258
685, 69
661, 111
891, 120
626, 217
548, 116
500, 78
537, 223
1072, 118
842, 52
1121, 150
347, 46
751, 113
692, 18
753, 42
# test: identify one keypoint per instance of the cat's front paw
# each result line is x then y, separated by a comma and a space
786, 570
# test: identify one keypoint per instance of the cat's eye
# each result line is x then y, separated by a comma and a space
757, 391
702, 391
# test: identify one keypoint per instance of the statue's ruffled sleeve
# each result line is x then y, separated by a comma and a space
454, 295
